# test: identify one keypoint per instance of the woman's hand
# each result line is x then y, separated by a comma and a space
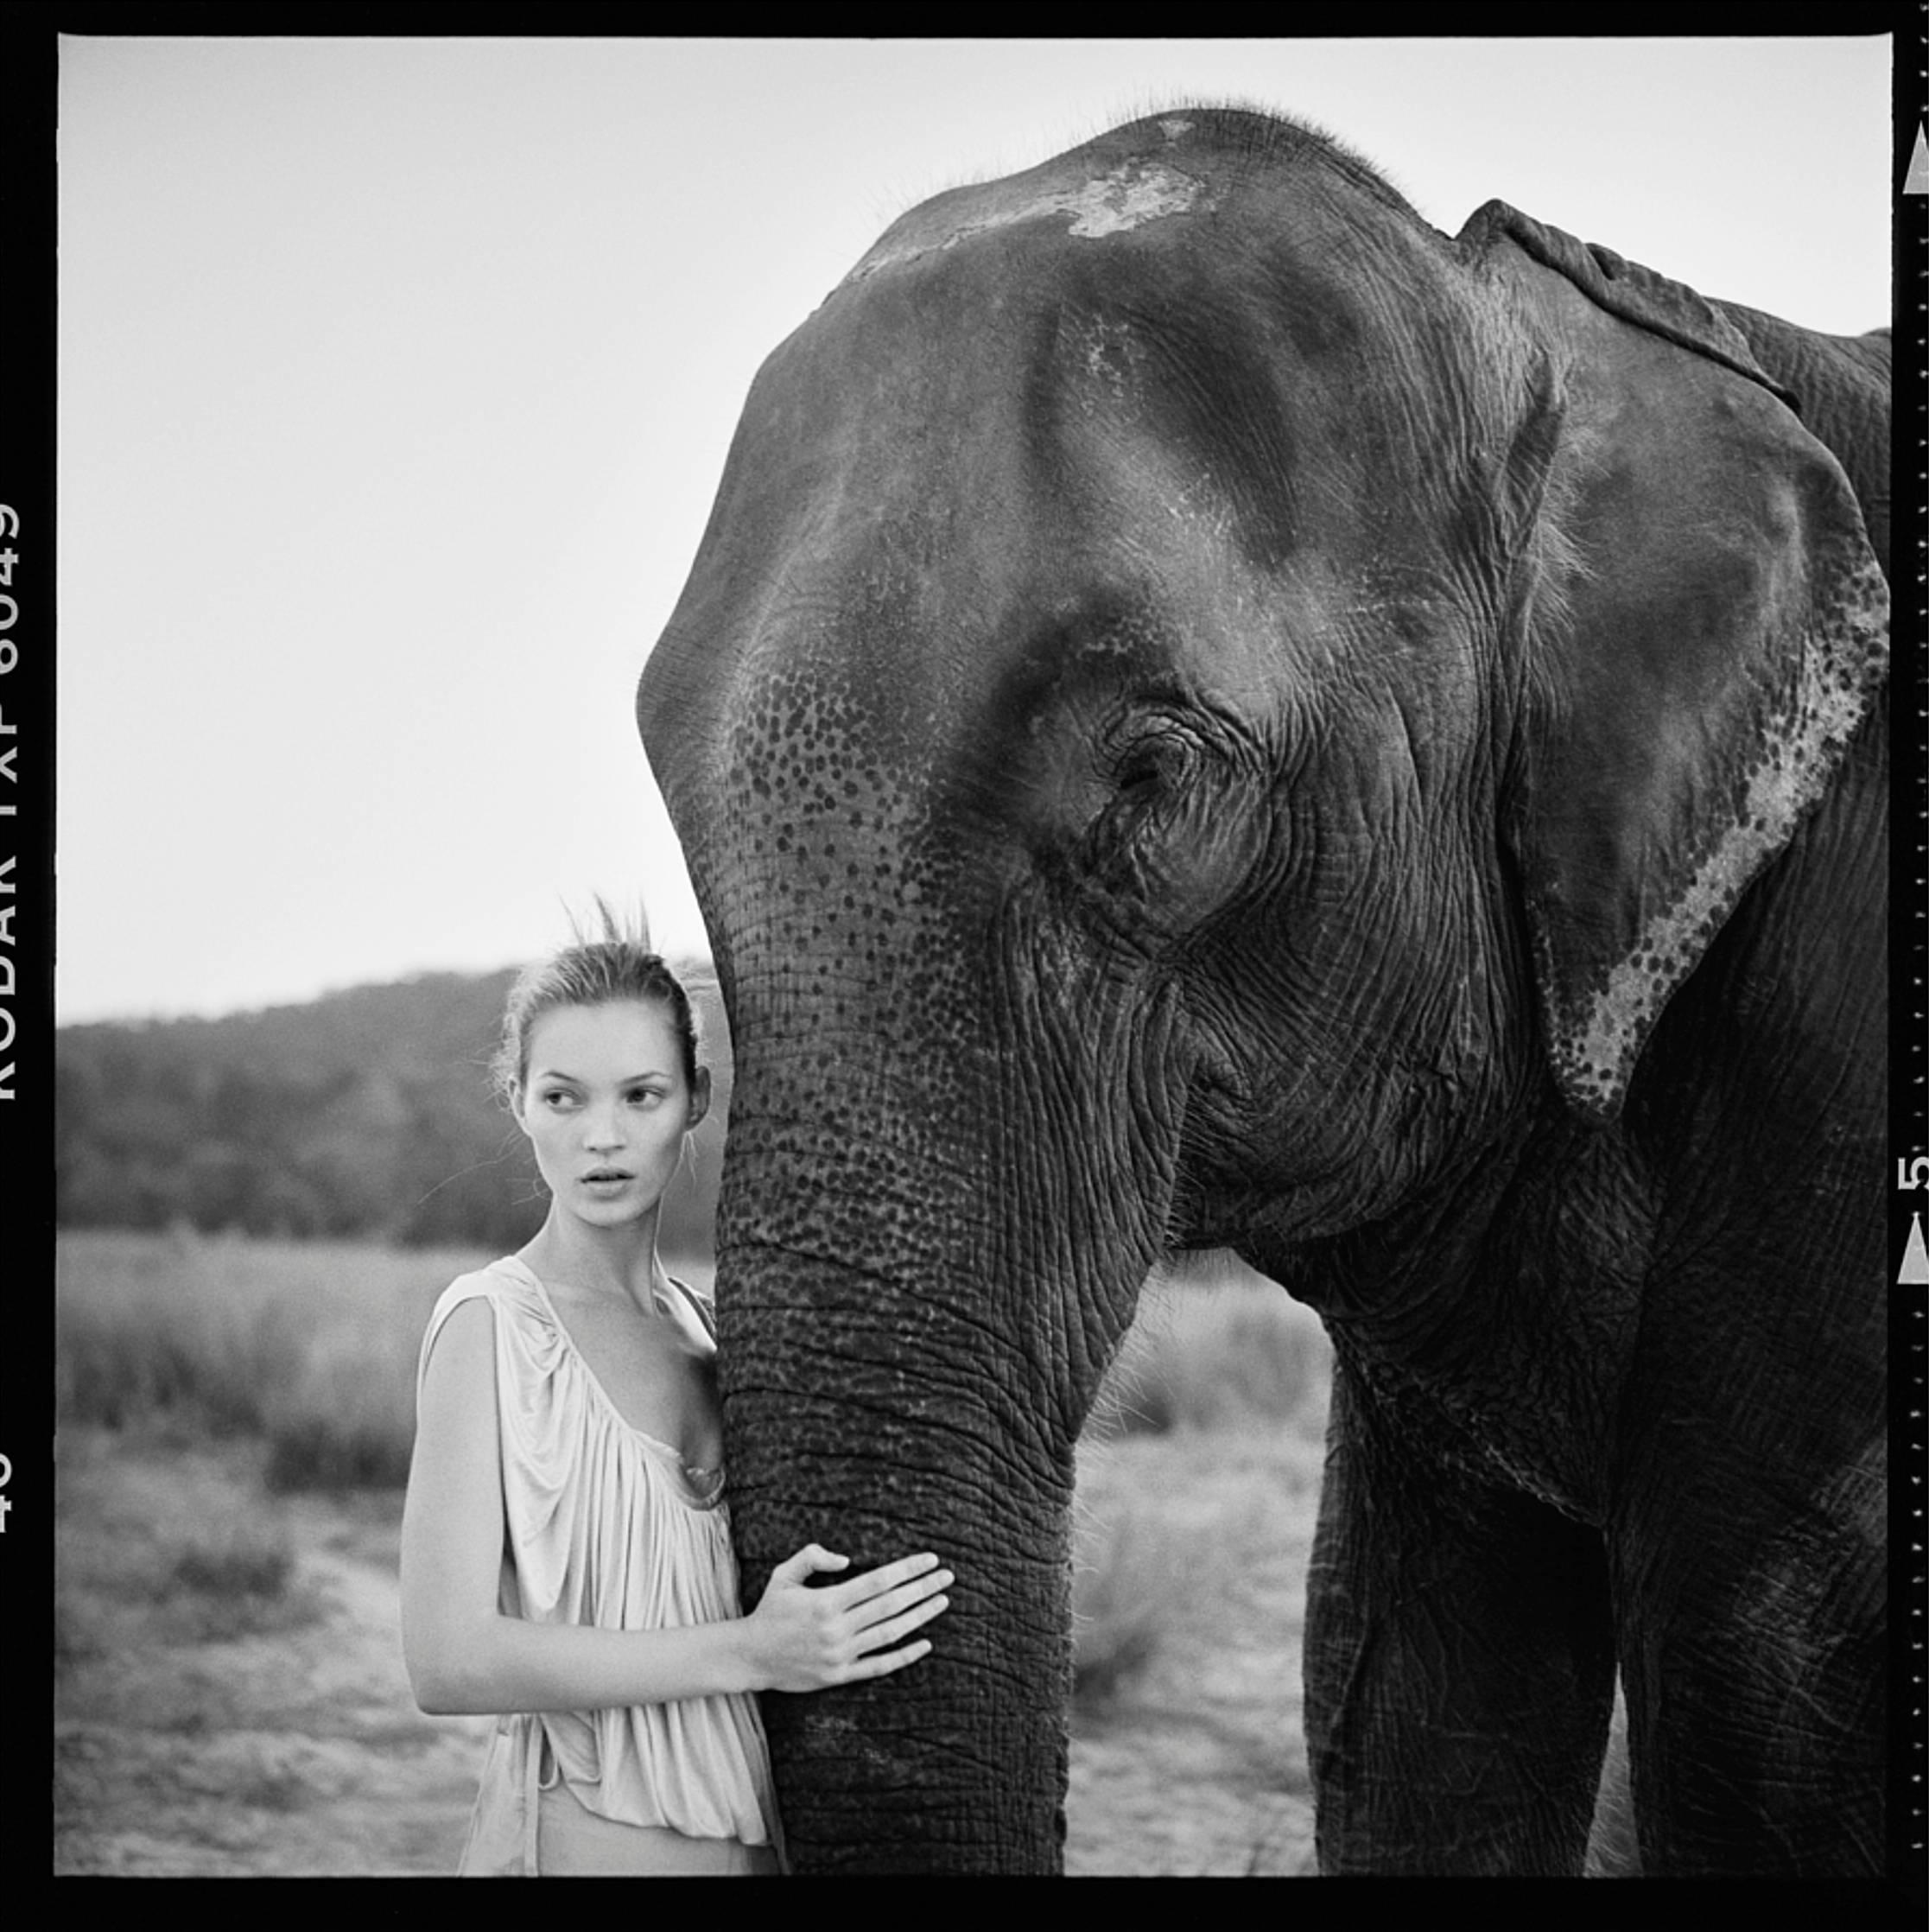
802, 1639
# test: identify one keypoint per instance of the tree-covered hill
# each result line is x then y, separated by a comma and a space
367, 1112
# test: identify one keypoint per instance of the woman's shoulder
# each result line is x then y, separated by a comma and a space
502, 1280
505, 1285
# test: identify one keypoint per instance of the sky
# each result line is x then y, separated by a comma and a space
396, 379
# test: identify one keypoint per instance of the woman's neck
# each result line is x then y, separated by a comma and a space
599, 1262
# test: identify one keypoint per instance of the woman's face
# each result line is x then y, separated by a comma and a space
605, 1104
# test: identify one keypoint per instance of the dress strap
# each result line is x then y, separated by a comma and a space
705, 1313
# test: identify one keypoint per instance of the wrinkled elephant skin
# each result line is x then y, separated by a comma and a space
1209, 714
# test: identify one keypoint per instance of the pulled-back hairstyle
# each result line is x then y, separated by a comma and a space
591, 973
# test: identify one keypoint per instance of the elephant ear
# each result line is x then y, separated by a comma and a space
1703, 627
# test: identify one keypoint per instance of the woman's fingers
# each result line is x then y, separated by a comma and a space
888, 1636
886, 1577
883, 1662
812, 1557
851, 1631
882, 1610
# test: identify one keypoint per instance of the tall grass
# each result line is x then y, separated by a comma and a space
1215, 1350
198, 1556
310, 1347
1138, 1580
1216, 1347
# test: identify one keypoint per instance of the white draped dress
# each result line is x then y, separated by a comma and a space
606, 1527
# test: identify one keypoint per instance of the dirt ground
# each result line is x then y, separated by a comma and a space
241, 1708
1198, 1766
291, 1749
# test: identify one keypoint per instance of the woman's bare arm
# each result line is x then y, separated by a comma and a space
463, 1654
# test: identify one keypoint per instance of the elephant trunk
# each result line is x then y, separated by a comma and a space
882, 1398
957, 1764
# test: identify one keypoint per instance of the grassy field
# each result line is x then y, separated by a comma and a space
236, 1419
307, 1348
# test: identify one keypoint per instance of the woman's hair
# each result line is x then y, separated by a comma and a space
591, 973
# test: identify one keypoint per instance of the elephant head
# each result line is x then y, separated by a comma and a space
1203, 711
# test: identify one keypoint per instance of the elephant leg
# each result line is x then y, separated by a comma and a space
1754, 1666
1459, 1664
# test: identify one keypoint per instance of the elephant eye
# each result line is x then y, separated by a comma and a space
1157, 761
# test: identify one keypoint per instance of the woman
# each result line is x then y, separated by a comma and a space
565, 1548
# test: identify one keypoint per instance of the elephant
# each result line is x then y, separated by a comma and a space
1208, 714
